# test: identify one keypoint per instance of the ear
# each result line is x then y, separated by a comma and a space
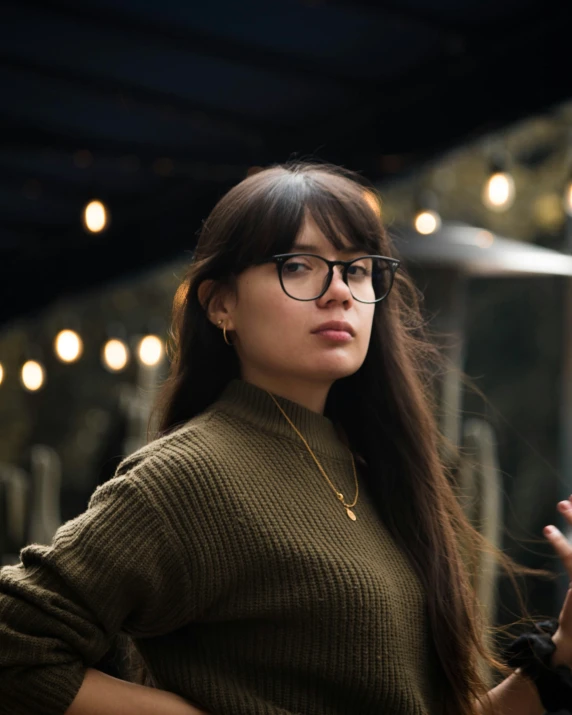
203, 292
217, 301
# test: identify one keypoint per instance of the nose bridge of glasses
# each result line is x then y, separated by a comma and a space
330, 265
330, 270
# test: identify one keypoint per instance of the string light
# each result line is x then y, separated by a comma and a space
427, 222
150, 350
32, 375
1, 373
95, 216
427, 219
498, 192
115, 355
568, 198
68, 345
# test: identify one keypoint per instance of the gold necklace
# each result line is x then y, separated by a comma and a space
339, 495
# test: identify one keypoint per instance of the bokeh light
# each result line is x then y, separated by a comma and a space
69, 346
95, 216
498, 191
115, 355
568, 199
150, 350
32, 375
427, 222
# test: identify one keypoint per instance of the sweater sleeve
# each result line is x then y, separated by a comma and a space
112, 568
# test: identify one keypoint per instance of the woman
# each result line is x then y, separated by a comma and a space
255, 567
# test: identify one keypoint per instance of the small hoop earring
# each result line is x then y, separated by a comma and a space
224, 334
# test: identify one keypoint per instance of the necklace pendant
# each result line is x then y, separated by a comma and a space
350, 513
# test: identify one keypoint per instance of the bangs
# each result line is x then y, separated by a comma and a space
277, 202
350, 222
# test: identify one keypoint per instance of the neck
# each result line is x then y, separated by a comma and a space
308, 393
254, 405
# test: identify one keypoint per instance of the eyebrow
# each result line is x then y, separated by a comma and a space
310, 247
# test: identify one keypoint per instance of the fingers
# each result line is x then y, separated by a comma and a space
560, 543
565, 508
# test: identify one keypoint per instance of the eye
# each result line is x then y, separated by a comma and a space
359, 270
290, 266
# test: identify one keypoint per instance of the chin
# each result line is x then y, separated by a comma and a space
335, 370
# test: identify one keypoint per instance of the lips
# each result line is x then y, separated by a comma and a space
335, 325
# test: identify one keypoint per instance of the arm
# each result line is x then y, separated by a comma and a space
100, 694
516, 695
114, 567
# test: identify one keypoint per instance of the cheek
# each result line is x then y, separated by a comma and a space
367, 324
364, 326
265, 312
282, 316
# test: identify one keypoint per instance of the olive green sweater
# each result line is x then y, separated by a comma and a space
224, 553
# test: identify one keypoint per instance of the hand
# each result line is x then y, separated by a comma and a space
563, 636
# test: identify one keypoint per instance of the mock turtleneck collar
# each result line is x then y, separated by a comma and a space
254, 405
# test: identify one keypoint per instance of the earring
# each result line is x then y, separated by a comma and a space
224, 333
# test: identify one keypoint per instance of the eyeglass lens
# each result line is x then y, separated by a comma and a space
304, 277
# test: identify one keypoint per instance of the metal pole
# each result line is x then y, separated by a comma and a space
446, 297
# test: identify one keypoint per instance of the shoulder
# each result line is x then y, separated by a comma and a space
182, 445
189, 456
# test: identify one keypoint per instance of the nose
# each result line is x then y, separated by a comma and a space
338, 289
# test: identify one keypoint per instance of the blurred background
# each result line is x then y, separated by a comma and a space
122, 124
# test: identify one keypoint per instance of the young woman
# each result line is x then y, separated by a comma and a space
291, 543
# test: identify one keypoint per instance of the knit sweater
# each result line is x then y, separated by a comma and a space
226, 556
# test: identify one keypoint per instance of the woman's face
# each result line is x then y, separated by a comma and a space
274, 335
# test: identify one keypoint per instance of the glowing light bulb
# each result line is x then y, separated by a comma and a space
1, 373
427, 222
32, 375
69, 346
115, 355
95, 216
498, 192
150, 350
568, 199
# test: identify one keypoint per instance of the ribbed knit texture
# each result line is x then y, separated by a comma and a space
224, 553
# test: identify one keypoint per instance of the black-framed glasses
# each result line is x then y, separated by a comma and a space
306, 276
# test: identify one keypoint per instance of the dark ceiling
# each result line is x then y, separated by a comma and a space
158, 107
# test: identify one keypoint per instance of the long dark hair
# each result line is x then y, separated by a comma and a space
386, 409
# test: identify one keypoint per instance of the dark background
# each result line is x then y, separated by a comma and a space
157, 108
